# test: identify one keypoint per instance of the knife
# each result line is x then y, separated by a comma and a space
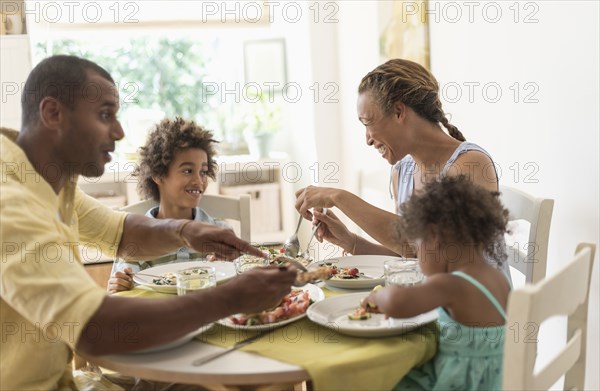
210, 357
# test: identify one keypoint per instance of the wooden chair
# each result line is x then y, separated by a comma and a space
565, 293
218, 206
538, 212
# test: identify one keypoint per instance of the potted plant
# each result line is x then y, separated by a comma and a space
262, 122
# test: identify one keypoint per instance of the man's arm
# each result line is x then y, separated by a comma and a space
146, 238
124, 324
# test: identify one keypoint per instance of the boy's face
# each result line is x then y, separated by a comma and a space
186, 179
92, 128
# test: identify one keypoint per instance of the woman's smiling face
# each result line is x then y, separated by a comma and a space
382, 130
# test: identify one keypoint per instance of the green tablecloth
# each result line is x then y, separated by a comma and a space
334, 361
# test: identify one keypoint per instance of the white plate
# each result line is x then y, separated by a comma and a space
370, 265
315, 293
178, 342
224, 271
333, 313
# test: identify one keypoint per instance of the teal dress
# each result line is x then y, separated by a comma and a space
468, 358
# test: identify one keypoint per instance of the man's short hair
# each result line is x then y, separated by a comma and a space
61, 77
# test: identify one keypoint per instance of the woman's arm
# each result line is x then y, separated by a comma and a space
378, 223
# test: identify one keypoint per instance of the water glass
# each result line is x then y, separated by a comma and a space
402, 272
194, 279
247, 262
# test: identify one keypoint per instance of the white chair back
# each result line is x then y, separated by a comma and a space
565, 293
538, 212
217, 206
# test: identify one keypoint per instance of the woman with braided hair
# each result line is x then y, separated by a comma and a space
400, 107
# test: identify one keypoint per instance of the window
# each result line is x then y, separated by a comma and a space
175, 69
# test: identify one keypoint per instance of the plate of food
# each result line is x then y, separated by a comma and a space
275, 257
178, 342
344, 315
355, 272
292, 307
162, 278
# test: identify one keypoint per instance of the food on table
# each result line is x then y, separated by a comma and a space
170, 278
359, 314
293, 304
320, 273
346, 273
275, 257
364, 313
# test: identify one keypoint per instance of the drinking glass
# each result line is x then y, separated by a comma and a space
403, 272
194, 279
247, 262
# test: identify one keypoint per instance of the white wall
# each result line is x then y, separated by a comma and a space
543, 132
558, 136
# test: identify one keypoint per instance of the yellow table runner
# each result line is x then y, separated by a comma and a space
334, 361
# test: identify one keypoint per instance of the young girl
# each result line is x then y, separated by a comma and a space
175, 164
452, 223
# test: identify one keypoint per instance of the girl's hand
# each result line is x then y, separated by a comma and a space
120, 281
371, 302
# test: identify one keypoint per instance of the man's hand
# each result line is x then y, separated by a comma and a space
259, 288
210, 239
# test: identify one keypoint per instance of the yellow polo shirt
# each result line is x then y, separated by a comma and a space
47, 296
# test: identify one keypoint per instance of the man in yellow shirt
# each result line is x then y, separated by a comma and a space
49, 305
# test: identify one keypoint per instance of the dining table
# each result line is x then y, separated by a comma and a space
299, 355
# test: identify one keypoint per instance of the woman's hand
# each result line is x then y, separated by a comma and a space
333, 230
120, 281
315, 197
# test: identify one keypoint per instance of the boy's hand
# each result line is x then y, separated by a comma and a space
120, 281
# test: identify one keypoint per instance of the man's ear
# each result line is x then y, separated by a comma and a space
52, 113
157, 180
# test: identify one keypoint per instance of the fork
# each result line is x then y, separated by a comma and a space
306, 254
143, 274
301, 268
201, 361
291, 248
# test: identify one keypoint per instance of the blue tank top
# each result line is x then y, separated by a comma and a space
406, 170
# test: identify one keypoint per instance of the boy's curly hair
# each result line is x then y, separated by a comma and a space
168, 137
462, 212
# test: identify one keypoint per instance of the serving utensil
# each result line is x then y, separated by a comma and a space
291, 247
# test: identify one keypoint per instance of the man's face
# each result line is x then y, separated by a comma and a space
92, 127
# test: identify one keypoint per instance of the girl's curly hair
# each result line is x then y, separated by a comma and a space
462, 212
167, 138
